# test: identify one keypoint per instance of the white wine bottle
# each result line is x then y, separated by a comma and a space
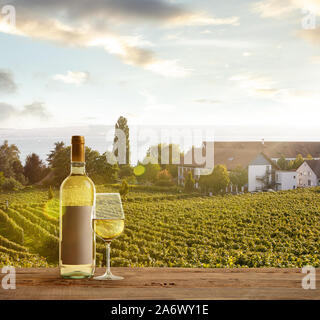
77, 198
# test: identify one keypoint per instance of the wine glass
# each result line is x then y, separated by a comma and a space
108, 224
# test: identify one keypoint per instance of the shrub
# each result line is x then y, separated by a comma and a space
12, 231
164, 183
189, 183
124, 189
50, 193
131, 180
10, 184
147, 188
164, 179
4, 242
48, 247
2, 179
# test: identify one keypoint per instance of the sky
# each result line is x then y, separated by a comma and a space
161, 62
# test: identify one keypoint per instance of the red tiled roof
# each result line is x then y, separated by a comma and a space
241, 153
315, 166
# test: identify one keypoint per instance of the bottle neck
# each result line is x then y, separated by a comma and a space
78, 168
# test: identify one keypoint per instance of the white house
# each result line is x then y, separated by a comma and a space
285, 179
261, 173
308, 174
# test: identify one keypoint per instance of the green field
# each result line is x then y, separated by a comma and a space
177, 230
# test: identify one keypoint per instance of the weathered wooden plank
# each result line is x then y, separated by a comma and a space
165, 283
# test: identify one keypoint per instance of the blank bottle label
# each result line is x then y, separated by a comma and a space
77, 237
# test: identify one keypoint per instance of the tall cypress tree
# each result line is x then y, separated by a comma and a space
122, 124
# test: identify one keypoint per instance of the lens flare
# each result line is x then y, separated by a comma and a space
139, 170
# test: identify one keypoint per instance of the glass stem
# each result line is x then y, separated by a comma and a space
108, 258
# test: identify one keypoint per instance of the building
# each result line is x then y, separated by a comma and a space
308, 174
240, 153
233, 154
285, 179
261, 173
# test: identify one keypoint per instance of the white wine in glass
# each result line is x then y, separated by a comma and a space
108, 229
108, 224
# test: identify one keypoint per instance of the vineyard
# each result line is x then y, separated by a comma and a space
176, 230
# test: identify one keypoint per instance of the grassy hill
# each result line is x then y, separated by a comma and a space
177, 230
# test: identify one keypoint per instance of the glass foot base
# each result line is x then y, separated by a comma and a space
76, 275
108, 276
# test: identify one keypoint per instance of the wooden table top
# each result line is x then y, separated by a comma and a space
164, 283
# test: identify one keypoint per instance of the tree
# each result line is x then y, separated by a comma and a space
239, 176
100, 169
220, 178
10, 163
283, 163
297, 162
217, 181
309, 156
124, 189
19, 171
50, 193
94, 162
172, 169
122, 124
97, 165
59, 161
2, 179
11, 184
189, 183
164, 178
34, 168
125, 171
151, 171
58, 146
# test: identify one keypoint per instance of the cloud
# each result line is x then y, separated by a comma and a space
142, 57
169, 68
35, 110
203, 20
280, 8
206, 31
126, 48
7, 84
261, 86
312, 36
92, 24
297, 96
255, 84
207, 101
211, 42
308, 9
315, 60
71, 77
103, 13
152, 103
111, 9
6, 111
273, 8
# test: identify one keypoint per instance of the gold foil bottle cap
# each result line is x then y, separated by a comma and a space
77, 149
77, 139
